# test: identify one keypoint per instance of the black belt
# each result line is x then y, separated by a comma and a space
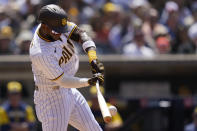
54, 87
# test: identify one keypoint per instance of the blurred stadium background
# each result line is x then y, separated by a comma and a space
148, 48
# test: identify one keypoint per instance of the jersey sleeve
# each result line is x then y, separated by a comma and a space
49, 66
70, 28
30, 115
3, 117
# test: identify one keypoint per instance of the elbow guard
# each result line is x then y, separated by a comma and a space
87, 41
88, 44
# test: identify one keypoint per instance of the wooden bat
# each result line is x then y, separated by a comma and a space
103, 106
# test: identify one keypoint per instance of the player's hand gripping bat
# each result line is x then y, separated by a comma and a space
103, 106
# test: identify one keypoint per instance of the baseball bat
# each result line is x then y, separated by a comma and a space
103, 105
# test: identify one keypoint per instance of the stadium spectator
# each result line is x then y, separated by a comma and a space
192, 126
140, 9
121, 33
112, 21
102, 24
6, 35
170, 7
4, 21
138, 47
184, 11
192, 33
95, 3
163, 45
149, 26
185, 45
162, 39
194, 10
23, 41
11, 17
101, 30
171, 21
15, 115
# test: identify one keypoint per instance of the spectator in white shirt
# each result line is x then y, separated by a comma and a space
138, 46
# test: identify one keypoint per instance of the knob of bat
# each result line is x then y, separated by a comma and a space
107, 119
112, 110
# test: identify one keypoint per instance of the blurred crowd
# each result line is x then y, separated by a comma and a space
15, 114
130, 27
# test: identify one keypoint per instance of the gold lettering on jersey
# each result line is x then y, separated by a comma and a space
61, 60
66, 55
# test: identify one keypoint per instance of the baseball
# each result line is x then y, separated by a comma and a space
112, 110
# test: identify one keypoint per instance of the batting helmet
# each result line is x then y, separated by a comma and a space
55, 17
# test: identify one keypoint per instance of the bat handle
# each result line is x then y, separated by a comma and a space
97, 84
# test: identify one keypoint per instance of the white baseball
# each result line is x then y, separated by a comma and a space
112, 110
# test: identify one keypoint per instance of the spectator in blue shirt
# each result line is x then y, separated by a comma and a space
14, 114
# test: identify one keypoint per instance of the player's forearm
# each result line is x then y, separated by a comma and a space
72, 82
89, 46
91, 51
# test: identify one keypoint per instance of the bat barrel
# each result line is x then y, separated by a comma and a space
103, 106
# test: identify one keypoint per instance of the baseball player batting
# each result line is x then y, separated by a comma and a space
54, 64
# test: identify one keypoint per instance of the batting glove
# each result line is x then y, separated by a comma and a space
97, 67
100, 77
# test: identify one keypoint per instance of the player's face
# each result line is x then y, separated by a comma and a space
52, 33
55, 35
14, 99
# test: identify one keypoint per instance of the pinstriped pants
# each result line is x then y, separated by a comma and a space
56, 109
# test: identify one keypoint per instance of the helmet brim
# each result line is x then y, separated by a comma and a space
60, 29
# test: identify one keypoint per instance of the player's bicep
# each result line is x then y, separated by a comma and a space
49, 67
75, 36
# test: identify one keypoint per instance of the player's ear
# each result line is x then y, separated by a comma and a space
45, 27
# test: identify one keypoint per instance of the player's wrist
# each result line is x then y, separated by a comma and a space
96, 77
92, 55
84, 82
97, 66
